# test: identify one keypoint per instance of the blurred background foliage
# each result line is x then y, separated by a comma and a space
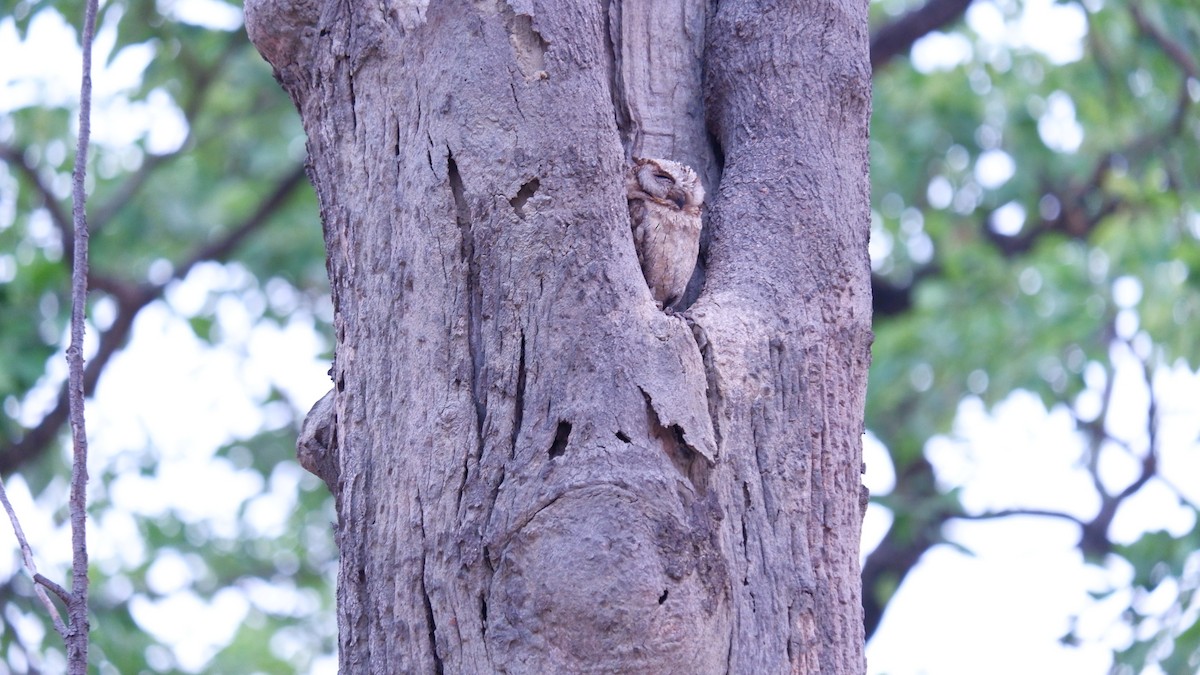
1034, 221
1035, 197
196, 173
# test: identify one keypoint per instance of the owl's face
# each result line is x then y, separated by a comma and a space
667, 183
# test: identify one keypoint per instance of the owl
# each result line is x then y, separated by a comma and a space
664, 209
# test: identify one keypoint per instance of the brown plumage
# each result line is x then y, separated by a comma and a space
664, 209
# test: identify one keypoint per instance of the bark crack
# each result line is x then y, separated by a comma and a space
516, 102
519, 400
562, 435
523, 195
762, 462
616, 84
431, 622
691, 464
353, 102
714, 396
428, 148
474, 295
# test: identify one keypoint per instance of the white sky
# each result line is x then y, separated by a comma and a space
1001, 610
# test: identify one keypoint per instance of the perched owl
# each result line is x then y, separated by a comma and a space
664, 209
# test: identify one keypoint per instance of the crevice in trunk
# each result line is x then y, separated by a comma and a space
437, 660
483, 615
519, 400
718, 155
462, 211
762, 464
353, 102
527, 190
746, 535
616, 81
561, 437
431, 622
691, 464
713, 395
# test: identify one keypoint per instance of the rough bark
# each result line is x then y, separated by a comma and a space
786, 311
536, 469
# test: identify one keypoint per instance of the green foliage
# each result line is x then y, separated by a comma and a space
1104, 160
154, 207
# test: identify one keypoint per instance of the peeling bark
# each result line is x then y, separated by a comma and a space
537, 470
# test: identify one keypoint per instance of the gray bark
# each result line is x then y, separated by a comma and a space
536, 469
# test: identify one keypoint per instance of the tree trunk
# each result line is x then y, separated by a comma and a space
537, 470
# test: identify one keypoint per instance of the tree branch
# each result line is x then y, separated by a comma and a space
1007, 513
902, 547
223, 247
1174, 51
897, 37
76, 638
1182, 57
38, 580
15, 156
130, 300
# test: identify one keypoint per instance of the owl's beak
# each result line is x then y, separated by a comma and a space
679, 200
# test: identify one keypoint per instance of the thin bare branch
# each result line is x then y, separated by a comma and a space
1100, 434
31, 567
1008, 513
1182, 57
1150, 459
54, 588
1095, 539
77, 608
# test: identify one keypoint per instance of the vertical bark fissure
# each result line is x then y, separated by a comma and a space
562, 436
512, 89
352, 103
613, 43
713, 393
429, 138
427, 601
483, 613
474, 299
519, 397
762, 463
